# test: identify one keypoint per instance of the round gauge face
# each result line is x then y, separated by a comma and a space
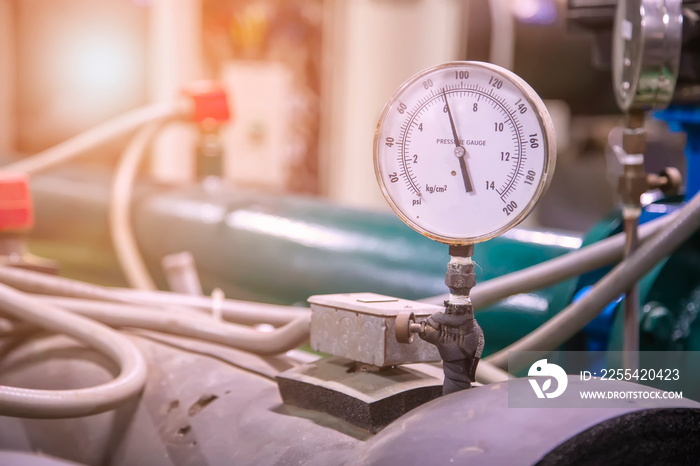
646, 51
463, 151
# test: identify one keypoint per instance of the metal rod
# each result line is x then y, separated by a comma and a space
631, 308
633, 183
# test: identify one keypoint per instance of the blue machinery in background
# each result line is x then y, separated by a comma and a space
670, 293
687, 119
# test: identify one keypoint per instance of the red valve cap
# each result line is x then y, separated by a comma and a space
210, 101
16, 207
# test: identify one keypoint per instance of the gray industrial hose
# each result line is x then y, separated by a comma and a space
120, 228
23, 402
556, 270
40, 283
97, 136
487, 373
572, 319
241, 312
202, 327
280, 340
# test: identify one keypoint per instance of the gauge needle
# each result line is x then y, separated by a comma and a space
460, 152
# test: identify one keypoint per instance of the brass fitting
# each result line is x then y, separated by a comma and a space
633, 181
634, 141
632, 184
460, 278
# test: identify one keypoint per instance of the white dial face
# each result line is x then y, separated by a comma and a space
463, 151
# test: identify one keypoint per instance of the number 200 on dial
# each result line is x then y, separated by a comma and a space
463, 151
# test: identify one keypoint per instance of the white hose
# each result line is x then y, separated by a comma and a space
575, 316
204, 328
572, 264
285, 338
120, 227
41, 283
487, 373
31, 403
97, 136
241, 312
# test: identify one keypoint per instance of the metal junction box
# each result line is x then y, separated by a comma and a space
360, 327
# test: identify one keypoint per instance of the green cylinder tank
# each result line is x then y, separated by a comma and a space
282, 249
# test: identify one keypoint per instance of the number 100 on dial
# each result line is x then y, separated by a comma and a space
463, 151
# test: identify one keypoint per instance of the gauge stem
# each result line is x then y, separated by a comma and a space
633, 183
455, 332
460, 276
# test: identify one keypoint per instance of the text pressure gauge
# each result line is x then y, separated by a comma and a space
646, 52
463, 151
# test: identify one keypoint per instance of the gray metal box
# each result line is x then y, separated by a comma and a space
360, 326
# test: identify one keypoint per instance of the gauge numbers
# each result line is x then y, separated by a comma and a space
463, 151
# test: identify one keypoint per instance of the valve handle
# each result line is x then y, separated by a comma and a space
403, 323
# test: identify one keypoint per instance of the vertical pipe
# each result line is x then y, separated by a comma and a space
633, 186
631, 316
181, 273
175, 53
370, 48
502, 33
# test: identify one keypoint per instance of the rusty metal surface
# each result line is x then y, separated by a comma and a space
196, 410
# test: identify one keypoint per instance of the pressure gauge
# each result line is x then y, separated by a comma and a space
463, 151
646, 52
